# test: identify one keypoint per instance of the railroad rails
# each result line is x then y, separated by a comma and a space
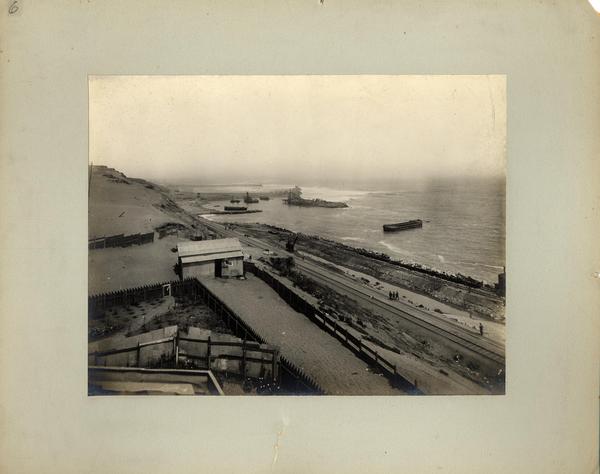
485, 348
481, 346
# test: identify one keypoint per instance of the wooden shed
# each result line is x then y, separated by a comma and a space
205, 258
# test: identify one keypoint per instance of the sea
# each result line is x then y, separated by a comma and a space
463, 220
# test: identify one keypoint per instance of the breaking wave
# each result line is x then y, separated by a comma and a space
393, 248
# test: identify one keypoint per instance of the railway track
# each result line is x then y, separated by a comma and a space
447, 331
481, 346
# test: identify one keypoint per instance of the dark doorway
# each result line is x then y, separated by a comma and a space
218, 267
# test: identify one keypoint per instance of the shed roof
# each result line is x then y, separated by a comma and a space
209, 247
212, 256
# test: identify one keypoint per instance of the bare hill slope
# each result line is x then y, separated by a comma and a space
122, 205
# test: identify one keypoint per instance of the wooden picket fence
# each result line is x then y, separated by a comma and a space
98, 304
120, 240
292, 378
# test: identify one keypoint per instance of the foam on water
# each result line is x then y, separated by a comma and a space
393, 248
463, 229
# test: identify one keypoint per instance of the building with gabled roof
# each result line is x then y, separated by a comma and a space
205, 258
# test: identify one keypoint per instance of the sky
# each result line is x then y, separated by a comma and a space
298, 129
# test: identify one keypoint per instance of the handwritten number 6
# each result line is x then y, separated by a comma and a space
13, 8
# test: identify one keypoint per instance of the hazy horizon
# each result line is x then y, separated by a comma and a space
325, 130
369, 184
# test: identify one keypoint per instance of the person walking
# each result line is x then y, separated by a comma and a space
480, 329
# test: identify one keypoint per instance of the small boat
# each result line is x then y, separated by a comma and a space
264, 198
235, 208
234, 201
414, 224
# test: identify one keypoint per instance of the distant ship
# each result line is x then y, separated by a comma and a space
414, 224
250, 200
264, 198
234, 201
295, 199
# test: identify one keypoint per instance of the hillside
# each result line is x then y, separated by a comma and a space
122, 205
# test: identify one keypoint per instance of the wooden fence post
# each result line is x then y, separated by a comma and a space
244, 358
176, 340
208, 354
279, 372
273, 365
137, 355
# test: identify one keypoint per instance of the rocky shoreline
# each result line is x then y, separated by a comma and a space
456, 278
457, 290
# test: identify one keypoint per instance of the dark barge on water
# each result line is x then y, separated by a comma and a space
235, 208
414, 224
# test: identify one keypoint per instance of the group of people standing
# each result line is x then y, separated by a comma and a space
394, 295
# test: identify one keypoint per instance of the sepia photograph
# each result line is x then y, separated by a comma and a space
297, 235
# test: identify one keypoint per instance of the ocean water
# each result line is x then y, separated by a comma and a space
463, 229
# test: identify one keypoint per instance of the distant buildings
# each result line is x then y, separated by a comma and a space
218, 258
